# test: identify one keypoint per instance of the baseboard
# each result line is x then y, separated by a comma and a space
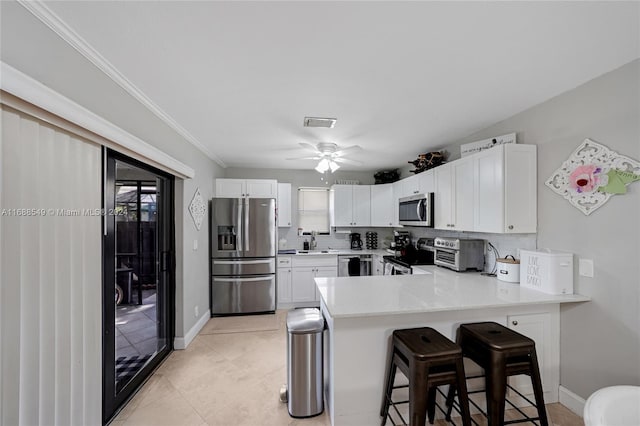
570, 400
183, 342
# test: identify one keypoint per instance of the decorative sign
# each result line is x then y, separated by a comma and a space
198, 209
473, 147
592, 174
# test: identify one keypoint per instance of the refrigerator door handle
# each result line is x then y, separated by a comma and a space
239, 222
242, 262
242, 280
245, 230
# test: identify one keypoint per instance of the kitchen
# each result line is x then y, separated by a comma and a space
589, 91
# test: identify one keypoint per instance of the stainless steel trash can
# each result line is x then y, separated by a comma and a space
304, 362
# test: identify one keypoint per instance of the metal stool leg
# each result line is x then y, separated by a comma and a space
537, 388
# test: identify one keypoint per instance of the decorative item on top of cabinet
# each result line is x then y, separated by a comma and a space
386, 176
475, 147
427, 161
246, 188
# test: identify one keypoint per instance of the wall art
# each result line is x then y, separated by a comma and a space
592, 174
198, 209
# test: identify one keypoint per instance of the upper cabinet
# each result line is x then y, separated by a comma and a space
453, 197
417, 184
350, 205
505, 189
246, 188
284, 204
382, 205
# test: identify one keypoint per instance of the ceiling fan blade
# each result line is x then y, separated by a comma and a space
308, 146
304, 158
346, 160
347, 150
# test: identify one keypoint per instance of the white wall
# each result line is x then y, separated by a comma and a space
600, 340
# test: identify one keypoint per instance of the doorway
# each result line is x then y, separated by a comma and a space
138, 276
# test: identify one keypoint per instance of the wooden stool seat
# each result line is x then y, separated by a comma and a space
428, 360
501, 352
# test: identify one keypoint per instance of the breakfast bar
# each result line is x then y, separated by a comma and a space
362, 312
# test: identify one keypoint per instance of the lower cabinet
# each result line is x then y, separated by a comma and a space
538, 328
296, 279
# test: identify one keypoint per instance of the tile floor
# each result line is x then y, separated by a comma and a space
136, 328
231, 375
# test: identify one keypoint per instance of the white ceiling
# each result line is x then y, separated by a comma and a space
401, 77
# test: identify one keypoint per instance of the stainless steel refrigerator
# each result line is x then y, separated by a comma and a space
243, 255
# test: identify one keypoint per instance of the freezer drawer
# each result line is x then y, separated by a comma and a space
243, 266
243, 295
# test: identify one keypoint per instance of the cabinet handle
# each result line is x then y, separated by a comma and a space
510, 226
247, 195
514, 322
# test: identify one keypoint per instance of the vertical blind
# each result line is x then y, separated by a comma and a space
50, 290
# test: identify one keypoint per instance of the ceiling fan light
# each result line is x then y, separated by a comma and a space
333, 166
323, 166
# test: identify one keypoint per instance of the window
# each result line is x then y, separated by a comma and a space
313, 210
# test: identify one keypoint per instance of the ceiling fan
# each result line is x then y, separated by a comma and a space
329, 155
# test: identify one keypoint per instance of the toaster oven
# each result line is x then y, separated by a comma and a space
459, 254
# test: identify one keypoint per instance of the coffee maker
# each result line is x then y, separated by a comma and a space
356, 242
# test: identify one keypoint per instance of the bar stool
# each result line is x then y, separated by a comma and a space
428, 360
501, 352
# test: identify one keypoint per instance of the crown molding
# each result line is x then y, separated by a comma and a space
35, 93
38, 9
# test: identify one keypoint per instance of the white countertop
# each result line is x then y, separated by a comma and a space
337, 252
441, 290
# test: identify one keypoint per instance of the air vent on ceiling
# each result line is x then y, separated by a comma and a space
320, 122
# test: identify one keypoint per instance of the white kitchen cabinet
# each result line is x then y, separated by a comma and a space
246, 188
382, 205
538, 328
505, 189
418, 184
350, 205
454, 188
304, 271
284, 280
284, 204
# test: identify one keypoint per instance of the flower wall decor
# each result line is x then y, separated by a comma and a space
198, 209
592, 174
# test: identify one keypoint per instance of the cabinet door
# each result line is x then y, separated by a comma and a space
284, 285
538, 328
382, 205
397, 191
261, 188
410, 186
426, 182
520, 189
324, 271
342, 196
443, 197
284, 204
230, 188
489, 190
303, 288
361, 205
462, 174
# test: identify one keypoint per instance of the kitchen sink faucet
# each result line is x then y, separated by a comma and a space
314, 243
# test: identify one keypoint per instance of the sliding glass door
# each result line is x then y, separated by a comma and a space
138, 275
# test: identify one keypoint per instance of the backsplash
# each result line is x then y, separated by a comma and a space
335, 240
506, 244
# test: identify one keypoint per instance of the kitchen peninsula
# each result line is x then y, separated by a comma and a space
362, 312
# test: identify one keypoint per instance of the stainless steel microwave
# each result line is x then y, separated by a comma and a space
416, 210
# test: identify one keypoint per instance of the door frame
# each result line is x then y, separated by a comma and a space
113, 402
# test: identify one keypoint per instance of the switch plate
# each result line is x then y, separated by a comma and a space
195, 245
585, 267
196, 311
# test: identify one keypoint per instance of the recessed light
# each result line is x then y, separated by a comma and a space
320, 122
